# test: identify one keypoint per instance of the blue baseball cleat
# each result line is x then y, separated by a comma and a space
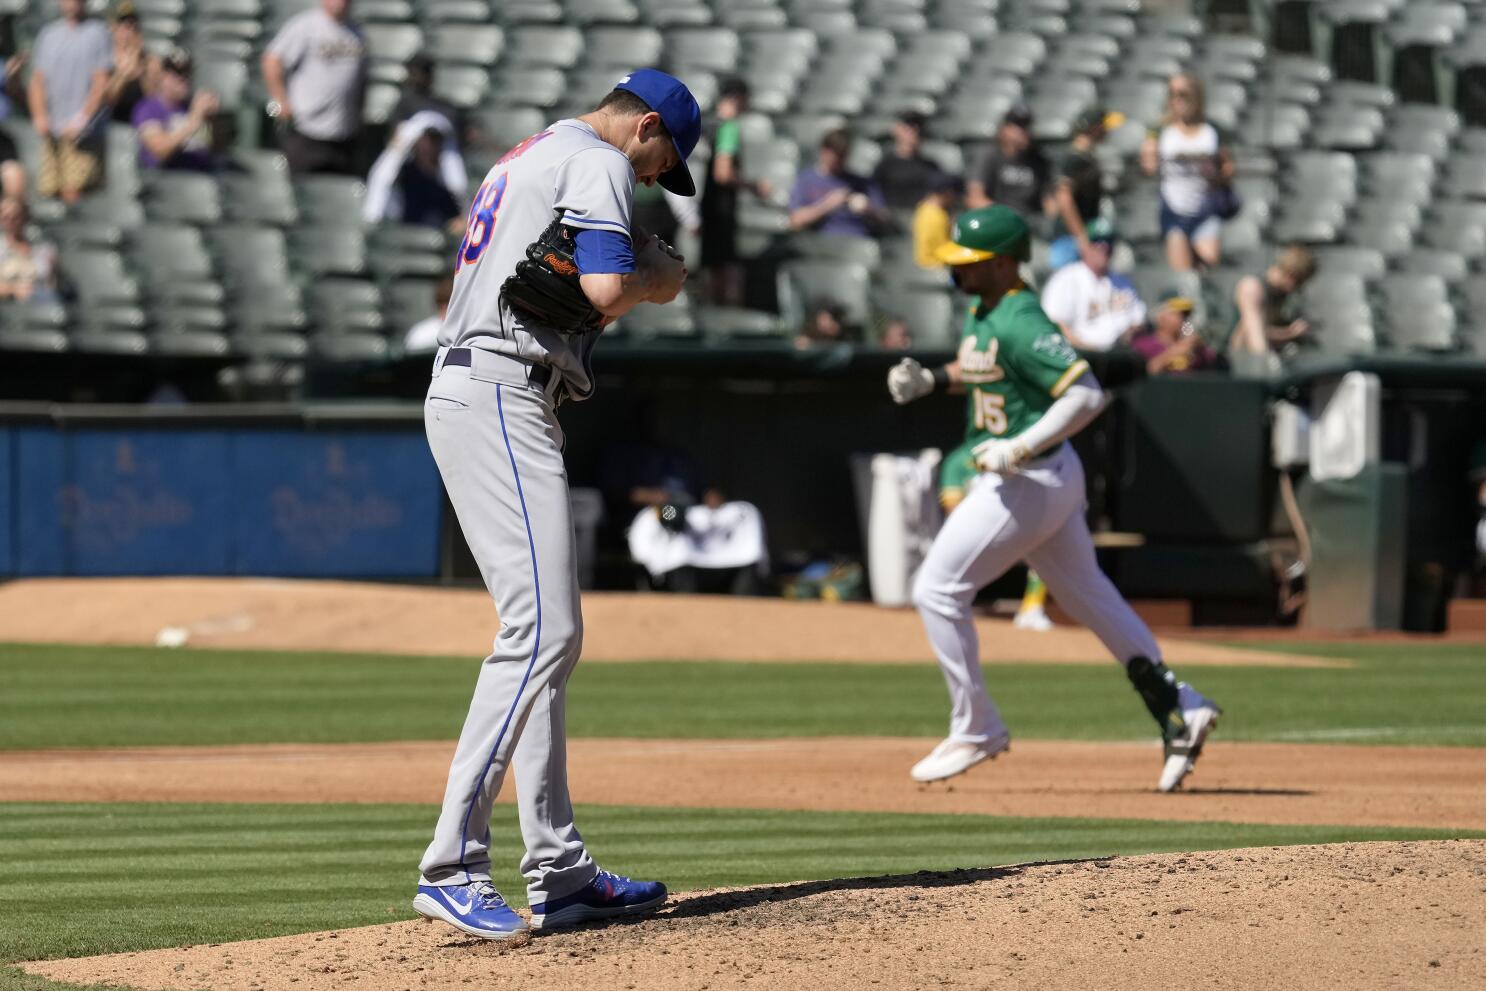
607, 896
476, 908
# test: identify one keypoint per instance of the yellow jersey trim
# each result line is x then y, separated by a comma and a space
1069, 377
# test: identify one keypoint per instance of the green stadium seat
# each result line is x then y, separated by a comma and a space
623, 47
599, 12
350, 347
547, 45
184, 197
541, 87
392, 42
932, 316
737, 322
329, 200
186, 343
462, 12
477, 44
463, 85
807, 282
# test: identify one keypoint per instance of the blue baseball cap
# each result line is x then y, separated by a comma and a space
669, 97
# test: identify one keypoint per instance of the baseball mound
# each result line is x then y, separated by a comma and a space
1358, 916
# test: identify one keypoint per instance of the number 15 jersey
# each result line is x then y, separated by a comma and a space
565, 168
1015, 362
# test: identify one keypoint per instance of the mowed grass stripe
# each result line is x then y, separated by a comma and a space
250, 872
54, 696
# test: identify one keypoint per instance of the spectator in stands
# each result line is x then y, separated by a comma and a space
420, 177
173, 125
829, 200
719, 207
136, 72
1196, 170
895, 336
13, 177
903, 174
315, 70
417, 95
69, 78
1078, 190
1098, 309
825, 325
933, 218
423, 336
1012, 170
1172, 345
28, 269
1270, 331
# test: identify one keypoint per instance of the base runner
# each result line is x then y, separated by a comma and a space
1028, 393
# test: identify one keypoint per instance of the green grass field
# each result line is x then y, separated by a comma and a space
92, 697
79, 879
84, 879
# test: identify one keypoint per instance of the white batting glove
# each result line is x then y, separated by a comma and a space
1004, 457
908, 380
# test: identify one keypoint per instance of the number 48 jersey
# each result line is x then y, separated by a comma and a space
566, 168
1015, 362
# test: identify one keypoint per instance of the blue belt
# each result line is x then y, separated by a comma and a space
537, 375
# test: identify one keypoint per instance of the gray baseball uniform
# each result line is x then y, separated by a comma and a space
494, 434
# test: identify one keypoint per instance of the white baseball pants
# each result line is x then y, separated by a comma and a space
1036, 516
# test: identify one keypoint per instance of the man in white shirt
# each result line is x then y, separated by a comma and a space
1096, 308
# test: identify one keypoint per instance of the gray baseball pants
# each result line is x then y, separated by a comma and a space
498, 445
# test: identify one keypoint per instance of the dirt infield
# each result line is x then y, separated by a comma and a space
372, 618
1236, 782
1357, 916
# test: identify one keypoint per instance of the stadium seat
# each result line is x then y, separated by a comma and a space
98, 277
329, 251
736, 322
466, 12
526, 86
675, 13
859, 250
715, 49
408, 301
650, 320
185, 197
548, 45
187, 342
392, 42
330, 200
931, 315
623, 47
599, 12
807, 282
476, 44
1367, 262
463, 85
350, 347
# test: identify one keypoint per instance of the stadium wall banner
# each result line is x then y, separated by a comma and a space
332, 503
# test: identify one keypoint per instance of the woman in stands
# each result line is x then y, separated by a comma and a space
1196, 171
28, 269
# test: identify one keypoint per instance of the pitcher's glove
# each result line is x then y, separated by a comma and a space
545, 285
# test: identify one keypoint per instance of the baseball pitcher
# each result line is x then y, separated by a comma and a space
1028, 393
549, 257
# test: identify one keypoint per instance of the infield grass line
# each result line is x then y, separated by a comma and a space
84, 879
68, 696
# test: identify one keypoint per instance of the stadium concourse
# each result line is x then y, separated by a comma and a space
1354, 129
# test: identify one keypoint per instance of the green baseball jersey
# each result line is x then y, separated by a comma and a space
956, 472
1015, 362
